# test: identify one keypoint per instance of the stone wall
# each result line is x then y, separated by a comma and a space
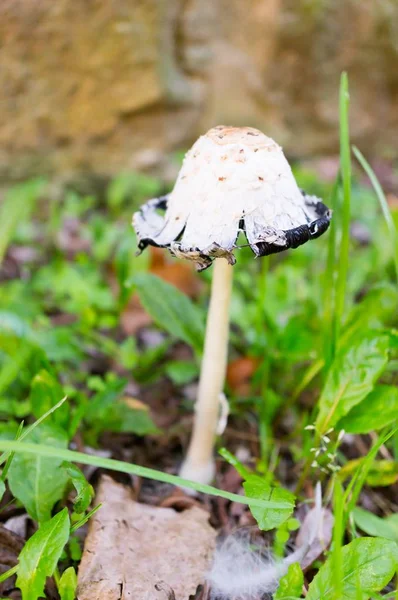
96, 87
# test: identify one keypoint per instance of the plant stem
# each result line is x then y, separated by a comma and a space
8, 573
345, 169
329, 283
199, 463
383, 203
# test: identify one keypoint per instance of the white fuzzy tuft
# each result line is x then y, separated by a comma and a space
242, 570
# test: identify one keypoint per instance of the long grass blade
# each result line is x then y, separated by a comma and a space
355, 486
345, 170
329, 280
383, 204
338, 532
4, 457
123, 467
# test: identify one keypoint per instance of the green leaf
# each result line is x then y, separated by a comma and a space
123, 419
377, 410
374, 525
291, 584
368, 565
39, 557
109, 410
232, 460
68, 584
37, 481
351, 378
382, 473
256, 487
85, 491
181, 371
98, 409
171, 309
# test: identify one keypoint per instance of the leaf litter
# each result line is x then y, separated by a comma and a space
135, 550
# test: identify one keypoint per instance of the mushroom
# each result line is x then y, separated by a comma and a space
233, 179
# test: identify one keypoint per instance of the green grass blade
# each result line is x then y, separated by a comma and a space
84, 519
11, 454
123, 467
355, 486
338, 533
4, 457
328, 296
383, 203
345, 170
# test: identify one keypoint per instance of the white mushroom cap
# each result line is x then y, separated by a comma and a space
232, 179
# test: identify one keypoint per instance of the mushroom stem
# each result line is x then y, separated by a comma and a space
199, 464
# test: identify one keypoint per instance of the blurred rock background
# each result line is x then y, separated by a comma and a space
95, 87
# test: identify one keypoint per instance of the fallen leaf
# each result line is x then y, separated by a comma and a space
134, 403
239, 374
140, 551
179, 273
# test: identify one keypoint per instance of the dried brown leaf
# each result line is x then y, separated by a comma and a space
239, 374
139, 551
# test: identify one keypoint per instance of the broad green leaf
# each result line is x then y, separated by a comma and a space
377, 410
45, 393
291, 584
368, 565
171, 309
351, 378
68, 584
84, 491
374, 525
39, 557
256, 487
37, 481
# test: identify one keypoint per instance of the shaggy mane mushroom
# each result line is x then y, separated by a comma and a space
232, 180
